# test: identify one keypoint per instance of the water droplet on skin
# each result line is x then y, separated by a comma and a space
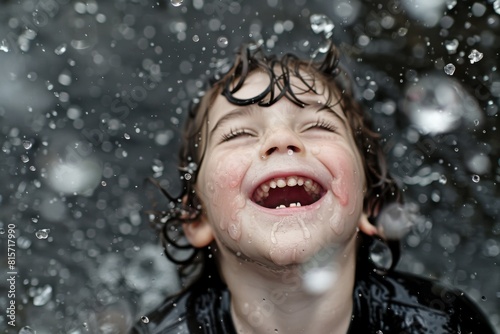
25, 158
273, 232
449, 69
234, 231
305, 230
176, 3
145, 319
27, 144
475, 56
475, 178
315, 150
42, 234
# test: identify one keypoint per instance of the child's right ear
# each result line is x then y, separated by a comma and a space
199, 233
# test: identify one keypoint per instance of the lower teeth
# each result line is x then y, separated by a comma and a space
292, 205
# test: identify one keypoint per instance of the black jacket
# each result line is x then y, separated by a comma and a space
383, 303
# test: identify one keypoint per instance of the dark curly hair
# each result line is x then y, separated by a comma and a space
316, 77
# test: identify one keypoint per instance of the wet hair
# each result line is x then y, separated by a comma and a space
317, 77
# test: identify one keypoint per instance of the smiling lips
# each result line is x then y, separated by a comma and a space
290, 191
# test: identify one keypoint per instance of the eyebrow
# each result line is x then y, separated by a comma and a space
233, 114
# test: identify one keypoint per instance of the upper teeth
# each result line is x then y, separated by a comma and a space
309, 185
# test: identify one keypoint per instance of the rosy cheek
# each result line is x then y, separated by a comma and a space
346, 185
223, 187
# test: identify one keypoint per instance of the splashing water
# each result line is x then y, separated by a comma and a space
475, 56
176, 3
496, 6
438, 105
4, 47
41, 296
61, 49
42, 234
451, 46
395, 220
449, 69
27, 330
321, 24
27, 144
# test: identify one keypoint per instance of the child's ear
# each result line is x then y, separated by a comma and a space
199, 233
365, 226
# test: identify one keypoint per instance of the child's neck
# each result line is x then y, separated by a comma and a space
264, 300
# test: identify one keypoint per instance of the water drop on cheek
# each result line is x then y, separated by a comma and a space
337, 224
234, 231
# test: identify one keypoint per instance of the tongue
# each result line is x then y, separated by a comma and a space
285, 196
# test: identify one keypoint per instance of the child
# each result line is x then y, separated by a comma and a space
283, 180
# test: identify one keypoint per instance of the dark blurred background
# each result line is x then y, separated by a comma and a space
93, 94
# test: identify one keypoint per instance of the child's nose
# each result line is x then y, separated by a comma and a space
283, 141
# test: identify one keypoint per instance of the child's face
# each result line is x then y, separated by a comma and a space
301, 160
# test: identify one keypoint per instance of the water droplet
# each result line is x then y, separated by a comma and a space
145, 319
60, 49
443, 179
290, 152
34, 220
157, 168
2, 231
496, 6
3, 46
126, 136
449, 69
42, 295
25, 158
380, 254
222, 42
318, 280
475, 56
187, 176
476, 122
27, 330
103, 183
27, 144
321, 24
450, 4
475, 178
176, 3
42, 234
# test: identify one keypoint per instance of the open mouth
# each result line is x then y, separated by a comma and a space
287, 192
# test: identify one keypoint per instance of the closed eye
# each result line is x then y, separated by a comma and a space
234, 133
324, 125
